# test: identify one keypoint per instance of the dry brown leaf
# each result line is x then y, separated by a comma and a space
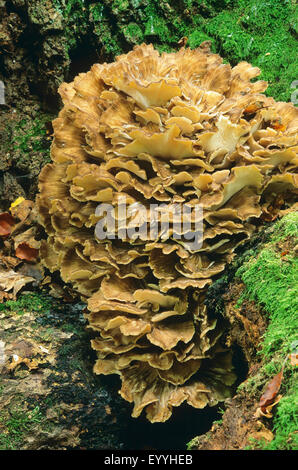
266, 411
270, 398
6, 224
25, 252
271, 390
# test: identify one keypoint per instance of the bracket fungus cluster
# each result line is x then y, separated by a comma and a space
172, 128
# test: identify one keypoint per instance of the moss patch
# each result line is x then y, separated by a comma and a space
33, 302
18, 421
260, 32
30, 136
24, 149
258, 298
271, 280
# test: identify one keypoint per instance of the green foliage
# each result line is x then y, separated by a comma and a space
256, 15
261, 33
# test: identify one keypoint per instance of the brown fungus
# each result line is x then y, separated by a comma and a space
171, 128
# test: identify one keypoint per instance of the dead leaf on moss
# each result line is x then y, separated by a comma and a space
270, 398
266, 411
182, 42
284, 253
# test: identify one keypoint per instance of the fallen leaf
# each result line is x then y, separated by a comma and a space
27, 236
6, 224
271, 390
262, 435
5, 296
266, 412
269, 397
24, 251
182, 42
9, 261
21, 347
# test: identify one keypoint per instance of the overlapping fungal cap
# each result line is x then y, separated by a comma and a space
178, 128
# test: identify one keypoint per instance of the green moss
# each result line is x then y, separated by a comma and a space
31, 137
262, 33
287, 226
197, 37
231, 39
27, 302
31, 146
133, 33
15, 422
193, 444
271, 280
